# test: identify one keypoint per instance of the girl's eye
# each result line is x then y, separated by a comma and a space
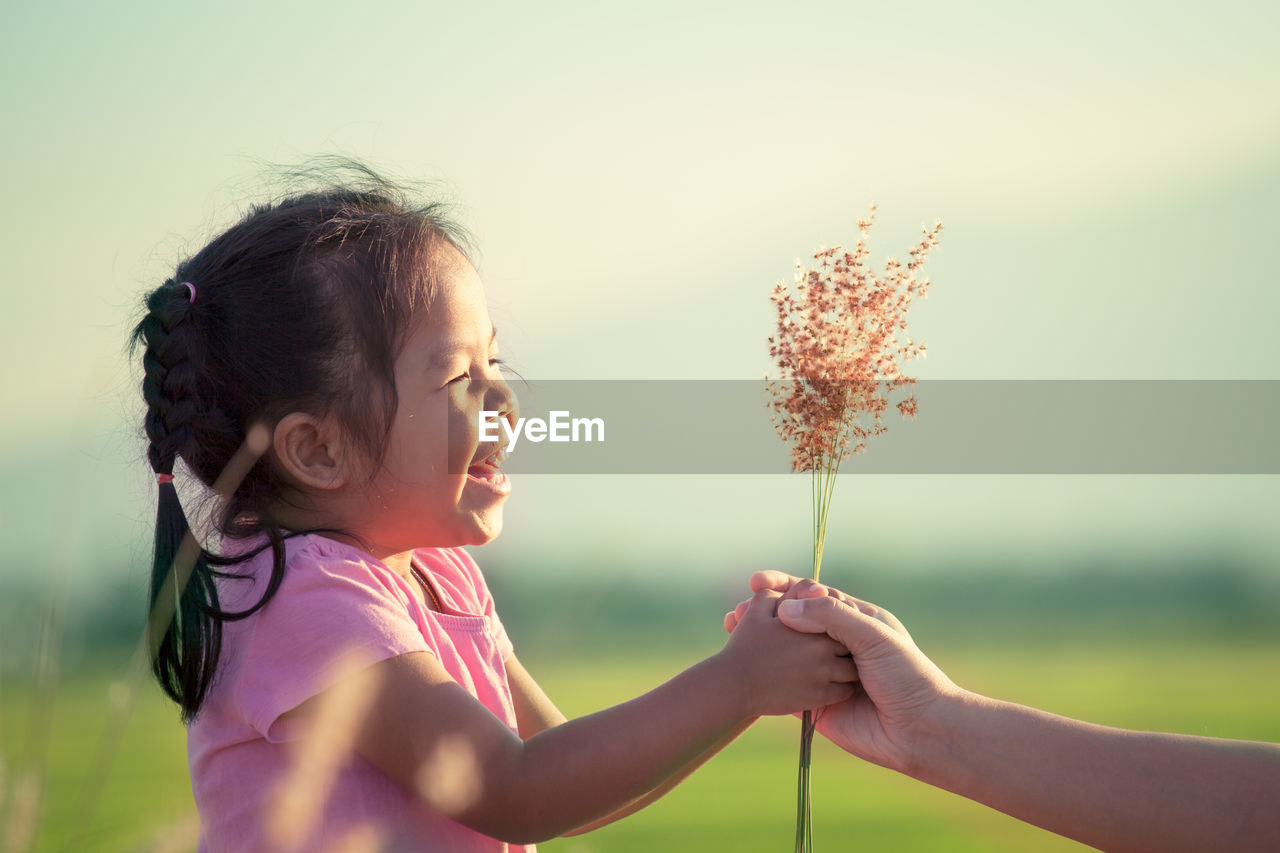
493, 362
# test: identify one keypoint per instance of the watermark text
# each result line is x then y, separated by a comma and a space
559, 427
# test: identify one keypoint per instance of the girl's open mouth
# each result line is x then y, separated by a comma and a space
490, 476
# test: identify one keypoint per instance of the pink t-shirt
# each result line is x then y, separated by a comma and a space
336, 606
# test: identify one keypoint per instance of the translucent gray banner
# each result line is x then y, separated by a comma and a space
962, 427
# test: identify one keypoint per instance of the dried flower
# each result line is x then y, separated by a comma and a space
840, 340
838, 350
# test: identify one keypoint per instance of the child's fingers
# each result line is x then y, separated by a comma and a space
789, 585
837, 693
762, 605
840, 664
734, 616
843, 670
807, 589
776, 581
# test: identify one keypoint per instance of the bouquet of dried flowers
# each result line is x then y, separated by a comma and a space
839, 340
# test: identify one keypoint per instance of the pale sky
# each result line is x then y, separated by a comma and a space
637, 179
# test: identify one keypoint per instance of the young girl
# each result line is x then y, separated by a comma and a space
338, 659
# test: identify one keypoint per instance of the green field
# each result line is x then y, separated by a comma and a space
743, 800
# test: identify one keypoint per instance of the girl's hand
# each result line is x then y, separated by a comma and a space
780, 670
788, 586
899, 688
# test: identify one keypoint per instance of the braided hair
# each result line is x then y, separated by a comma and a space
303, 305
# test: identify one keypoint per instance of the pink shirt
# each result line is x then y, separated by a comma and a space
336, 604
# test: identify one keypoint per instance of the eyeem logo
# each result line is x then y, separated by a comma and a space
560, 428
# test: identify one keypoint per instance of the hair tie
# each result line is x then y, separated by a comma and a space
191, 287
164, 478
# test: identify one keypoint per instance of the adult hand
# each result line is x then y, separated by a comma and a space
1113, 789
898, 686
783, 670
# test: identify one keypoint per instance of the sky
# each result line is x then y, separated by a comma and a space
637, 178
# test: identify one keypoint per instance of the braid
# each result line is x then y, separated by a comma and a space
170, 376
185, 618
184, 642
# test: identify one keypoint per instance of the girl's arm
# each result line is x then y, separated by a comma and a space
667, 786
432, 737
535, 712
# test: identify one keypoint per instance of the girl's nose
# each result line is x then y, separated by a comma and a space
500, 398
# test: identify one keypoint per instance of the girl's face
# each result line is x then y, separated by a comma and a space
423, 496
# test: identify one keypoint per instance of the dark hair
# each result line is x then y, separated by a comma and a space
303, 305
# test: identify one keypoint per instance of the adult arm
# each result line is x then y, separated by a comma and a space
1111, 788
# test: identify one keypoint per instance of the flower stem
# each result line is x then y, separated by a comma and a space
824, 485
804, 812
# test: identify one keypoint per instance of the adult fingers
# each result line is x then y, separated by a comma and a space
847, 625
867, 608
875, 611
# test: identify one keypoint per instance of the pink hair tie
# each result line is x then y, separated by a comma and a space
164, 478
191, 287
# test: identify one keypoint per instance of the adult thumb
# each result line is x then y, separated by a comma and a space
844, 624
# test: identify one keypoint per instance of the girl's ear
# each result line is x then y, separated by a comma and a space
311, 451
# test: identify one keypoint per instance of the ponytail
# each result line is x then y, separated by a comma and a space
184, 622
183, 634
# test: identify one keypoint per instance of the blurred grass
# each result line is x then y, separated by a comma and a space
743, 800
147, 790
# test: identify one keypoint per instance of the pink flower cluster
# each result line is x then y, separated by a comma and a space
838, 347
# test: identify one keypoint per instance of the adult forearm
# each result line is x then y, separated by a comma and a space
1111, 788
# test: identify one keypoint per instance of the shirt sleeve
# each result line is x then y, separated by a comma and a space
331, 616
